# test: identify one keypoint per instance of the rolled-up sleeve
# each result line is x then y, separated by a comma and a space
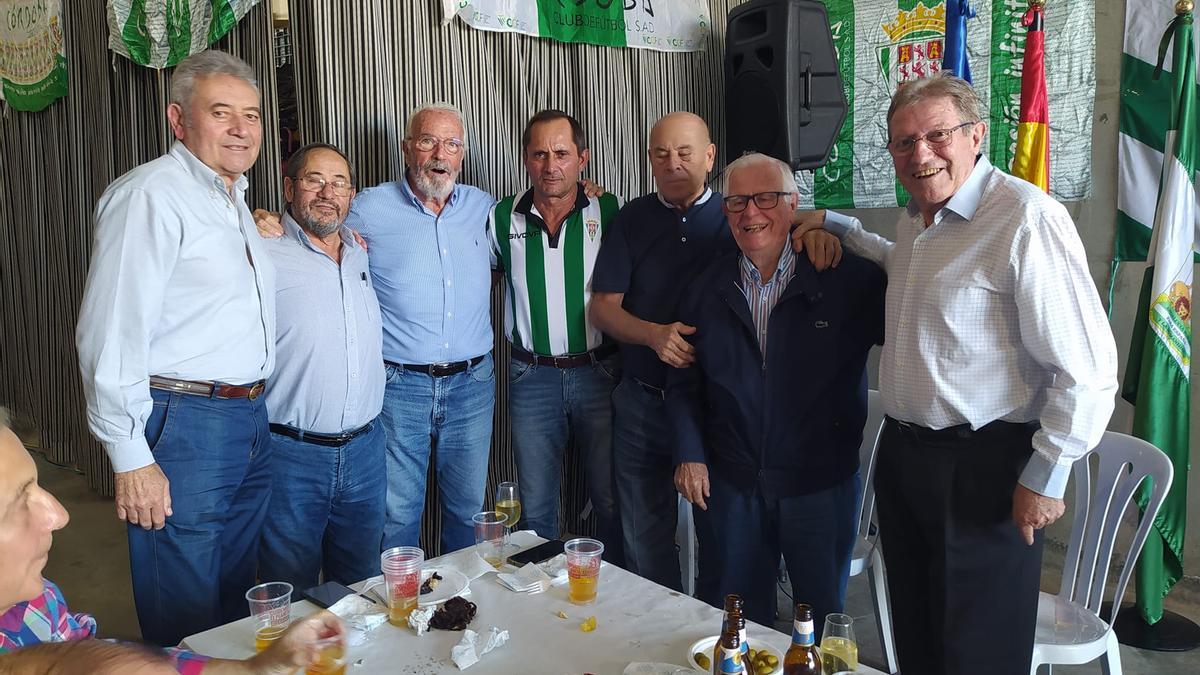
133, 254
860, 242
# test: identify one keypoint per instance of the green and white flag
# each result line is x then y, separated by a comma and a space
33, 65
1160, 355
664, 25
160, 33
1145, 107
882, 43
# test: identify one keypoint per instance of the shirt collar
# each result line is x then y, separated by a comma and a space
201, 171
707, 194
412, 197
787, 261
965, 200
525, 203
292, 229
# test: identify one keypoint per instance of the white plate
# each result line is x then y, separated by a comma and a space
453, 583
706, 645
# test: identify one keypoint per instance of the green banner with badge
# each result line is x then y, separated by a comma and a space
33, 64
161, 33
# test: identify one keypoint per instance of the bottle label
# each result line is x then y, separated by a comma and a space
802, 633
731, 662
744, 646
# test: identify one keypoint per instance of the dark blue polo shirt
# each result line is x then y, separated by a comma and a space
651, 253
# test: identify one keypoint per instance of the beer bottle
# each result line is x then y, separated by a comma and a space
733, 604
729, 655
739, 623
802, 657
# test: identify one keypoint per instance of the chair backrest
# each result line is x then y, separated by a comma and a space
866, 457
1102, 494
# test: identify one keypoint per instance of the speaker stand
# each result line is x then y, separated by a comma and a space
1173, 633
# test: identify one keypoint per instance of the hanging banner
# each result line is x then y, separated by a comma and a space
663, 25
33, 64
160, 33
882, 43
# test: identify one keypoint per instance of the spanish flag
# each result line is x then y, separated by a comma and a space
1032, 158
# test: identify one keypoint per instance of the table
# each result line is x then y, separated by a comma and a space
636, 620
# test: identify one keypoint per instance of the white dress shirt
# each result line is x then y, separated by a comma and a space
329, 375
180, 286
992, 315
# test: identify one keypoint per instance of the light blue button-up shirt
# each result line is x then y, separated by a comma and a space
329, 365
180, 285
432, 272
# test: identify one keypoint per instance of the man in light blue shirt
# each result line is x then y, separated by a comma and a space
176, 335
327, 505
430, 264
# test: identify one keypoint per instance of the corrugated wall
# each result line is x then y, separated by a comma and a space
54, 165
362, 66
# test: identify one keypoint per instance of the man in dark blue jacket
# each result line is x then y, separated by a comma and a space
772, 409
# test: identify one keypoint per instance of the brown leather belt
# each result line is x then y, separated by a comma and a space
566, 360
207, 388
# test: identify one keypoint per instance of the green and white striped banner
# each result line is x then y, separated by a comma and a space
881, 43
33, 65
663, 25
1145, 111
160, 33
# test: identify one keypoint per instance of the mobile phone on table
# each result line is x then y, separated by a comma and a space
538, 553
326, 594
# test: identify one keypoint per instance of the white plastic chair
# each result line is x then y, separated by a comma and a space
1069, 627
866, 556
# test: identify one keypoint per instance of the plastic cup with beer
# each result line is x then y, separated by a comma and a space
332, 657
583, 569
491, 533
271, 608
402, 578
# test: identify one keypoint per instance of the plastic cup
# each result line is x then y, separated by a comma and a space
271, 607
583, 569
402, 577
491, 533
331, 660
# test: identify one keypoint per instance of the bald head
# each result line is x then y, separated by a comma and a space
681, 155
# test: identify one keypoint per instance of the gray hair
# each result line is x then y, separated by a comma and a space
755, 159
204, 64
438, 106
944, 84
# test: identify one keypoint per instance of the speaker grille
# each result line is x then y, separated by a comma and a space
753, 101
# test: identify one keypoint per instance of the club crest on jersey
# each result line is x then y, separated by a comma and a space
592, 226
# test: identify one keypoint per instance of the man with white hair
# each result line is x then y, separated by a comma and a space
776, 430
430, 266
176, 336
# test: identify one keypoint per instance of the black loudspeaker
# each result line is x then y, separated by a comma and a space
783, 91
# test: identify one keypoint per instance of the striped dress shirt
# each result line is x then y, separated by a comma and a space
762, 297
992, 315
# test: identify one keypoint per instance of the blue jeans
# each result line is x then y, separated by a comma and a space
193, 574
645, 477
814, 532
547, 407
452, 416
326, 511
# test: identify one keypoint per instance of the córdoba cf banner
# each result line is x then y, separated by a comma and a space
664, 25
882, 43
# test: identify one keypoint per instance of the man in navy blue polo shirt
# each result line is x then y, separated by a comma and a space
655, 246
775, 431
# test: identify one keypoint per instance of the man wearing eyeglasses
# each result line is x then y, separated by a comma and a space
998, 372
773, 403
327, 501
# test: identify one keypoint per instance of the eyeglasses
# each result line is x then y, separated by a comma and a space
763, 200
934, 139
340, 187
452, 146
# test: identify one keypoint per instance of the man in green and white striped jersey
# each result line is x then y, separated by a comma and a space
563, 370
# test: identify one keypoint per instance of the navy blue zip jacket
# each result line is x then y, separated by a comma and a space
794, 424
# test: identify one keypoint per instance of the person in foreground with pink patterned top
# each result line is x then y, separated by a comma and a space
39, 634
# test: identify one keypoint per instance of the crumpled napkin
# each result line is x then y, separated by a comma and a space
528, 579
473, 646
636, 668
556, 569
419, 619
361, 616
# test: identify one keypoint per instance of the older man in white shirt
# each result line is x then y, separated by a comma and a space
998, 372
176, 336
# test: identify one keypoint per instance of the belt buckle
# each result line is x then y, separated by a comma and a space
256, 391
439, 369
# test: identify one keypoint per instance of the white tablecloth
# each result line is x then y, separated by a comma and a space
636, 620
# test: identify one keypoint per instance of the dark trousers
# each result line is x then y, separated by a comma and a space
963, 584
193, 574
814, 533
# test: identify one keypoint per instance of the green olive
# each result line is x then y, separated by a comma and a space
702, 660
